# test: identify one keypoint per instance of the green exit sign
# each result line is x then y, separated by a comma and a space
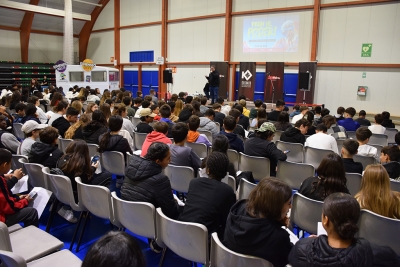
366, 50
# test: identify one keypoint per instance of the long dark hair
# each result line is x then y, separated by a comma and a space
332, 176
98, 116
220, 144
114, 124
77, 159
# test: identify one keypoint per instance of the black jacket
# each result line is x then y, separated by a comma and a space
363, 122
45, 154
306, 189
213, 79
273, 115
293, 135
244, 121
388, 124
30, 118
258, 237
239, 131
317, 252
393, 169
145, 182
117, 143
258, 147
235, 142
282, 126
62, 125
219, 117
352, 167
143, 127
92, 131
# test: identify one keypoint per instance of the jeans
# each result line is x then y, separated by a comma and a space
214, 94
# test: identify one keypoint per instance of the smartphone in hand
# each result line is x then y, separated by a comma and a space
95, 159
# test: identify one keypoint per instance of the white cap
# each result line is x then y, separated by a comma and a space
31, 125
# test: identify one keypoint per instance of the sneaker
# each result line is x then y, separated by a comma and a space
155, 247
68, 215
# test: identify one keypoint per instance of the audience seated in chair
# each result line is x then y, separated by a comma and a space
363, 134
144, 104
296, 111
322, 140
239, 130
273, 115
224, 108
253, 111
340, 247
254, 225
207, 122
362, 120
387, 122
262, 146
244, 121
30, 114
390, 156
377, 127
203, 107
333, 128
235, 142
219, 116
348, 123
349, 149
194, 136
127, 125
13, 209
174, 118
165, 112
95, 128
339, 113
310, 117
158, 135
303, 110
40, 113
282, 124
146, 117
245, 112
62, 124
261, 114
20, 112
331, 179
375, 193
75, 131
296, 134
31, 130
127, 101
45, 151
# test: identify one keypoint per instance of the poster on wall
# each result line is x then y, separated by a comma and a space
362, 90
247, 80
271, 33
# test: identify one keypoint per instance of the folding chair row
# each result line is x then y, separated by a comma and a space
63, 143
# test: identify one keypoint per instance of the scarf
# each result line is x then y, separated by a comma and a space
192, 136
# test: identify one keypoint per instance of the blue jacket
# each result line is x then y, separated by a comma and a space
349, 124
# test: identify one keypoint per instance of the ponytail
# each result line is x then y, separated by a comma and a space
104, 142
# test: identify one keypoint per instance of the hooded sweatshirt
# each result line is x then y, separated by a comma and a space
293, 135
235, 142
145, 182
92, 131
393, 169
45, 154
154, 137
208, 125
62, 125
258, 237
117, 143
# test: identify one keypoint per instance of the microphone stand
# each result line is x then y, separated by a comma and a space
273, 89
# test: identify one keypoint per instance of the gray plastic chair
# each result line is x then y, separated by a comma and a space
93, 150
137, 217
365, 160
30, 242
63, 258
113, 161
13, 228
221, 256
339, 143
353, 182
230, 180
395, 186
208, 134
351, 134
180, 177
139, 139
294, 173
17, 162
378, 139
378, 148
245, 188
128, 157
259, 166
277, 136
379, 230
233, 157
200, 149
391, 133
17, 130
64, 143
296, 153
135, 121
314, 156
179, 237
306, 213
36, 175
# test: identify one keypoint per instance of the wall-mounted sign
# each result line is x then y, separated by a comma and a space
60, 66
160, 61
364, 75
87, 65
112, 59
362, 90
366, 50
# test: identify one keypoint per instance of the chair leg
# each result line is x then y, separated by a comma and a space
162, 257
82, 231
52, 214
76, 230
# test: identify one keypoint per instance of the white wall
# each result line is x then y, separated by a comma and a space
10, 46
189, 78
201, 40
240, 5
101, 47
184, 8
106, 17
136, 12
336, 1
45, 48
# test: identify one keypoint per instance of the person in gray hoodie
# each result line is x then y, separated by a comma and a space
207, 123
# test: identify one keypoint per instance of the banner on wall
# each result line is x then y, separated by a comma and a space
247, 75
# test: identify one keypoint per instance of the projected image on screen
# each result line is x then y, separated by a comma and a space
271, 34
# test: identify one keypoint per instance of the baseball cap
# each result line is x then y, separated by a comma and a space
146, 112
266, 126
31, 125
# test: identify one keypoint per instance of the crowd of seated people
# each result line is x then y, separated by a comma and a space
251, 226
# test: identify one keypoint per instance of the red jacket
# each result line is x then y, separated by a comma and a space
154, 137
8, 203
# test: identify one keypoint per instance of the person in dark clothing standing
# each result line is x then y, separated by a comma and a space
340, 247
213, 80
362, 120
349, 149
208, 199
296, 134
262, 146
254, 225
45, 151
273, 115
235, 142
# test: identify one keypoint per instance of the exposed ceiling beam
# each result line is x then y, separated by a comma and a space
25, 32
41, 10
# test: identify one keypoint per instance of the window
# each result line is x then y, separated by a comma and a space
114, 76
99, 76
76, 76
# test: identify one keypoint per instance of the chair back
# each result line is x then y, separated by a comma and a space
17, 162
230, 180
179, 236
314, 156
277, 136
11, 260
233, 157
36, 175
306, 213
351, 134
391, 133
353, 182
96, 199
339, 143
365, 160
128, 157
93, 150
114, 162
245, 188
64, 143
378, 139
259, 166
180, 177
378, 148
221, 256
139, 139
379, 230
395, 185
17, 130
137, 217
5, 242
135, 121
200, 149
208, 134
296, 153
294, 173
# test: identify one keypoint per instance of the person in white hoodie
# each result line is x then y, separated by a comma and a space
42, 115
363, 134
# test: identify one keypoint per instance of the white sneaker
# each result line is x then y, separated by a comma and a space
68, 215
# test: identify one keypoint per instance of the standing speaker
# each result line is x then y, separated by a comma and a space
167, 76
304, 81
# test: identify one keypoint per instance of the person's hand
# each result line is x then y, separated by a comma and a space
18, 173
95, 164
312, 236
22, 196
8, 176
285, 221
28, 198
2, 109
